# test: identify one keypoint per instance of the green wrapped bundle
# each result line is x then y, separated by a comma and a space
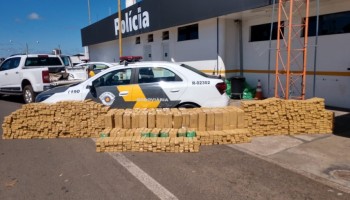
145, 134
153, 134
191, 133
182, 132
103, 135
164, 132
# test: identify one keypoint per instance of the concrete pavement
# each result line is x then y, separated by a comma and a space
322, 157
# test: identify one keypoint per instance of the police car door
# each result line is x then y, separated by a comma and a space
113, 89
158, 87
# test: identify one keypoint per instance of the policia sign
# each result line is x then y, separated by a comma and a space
151, 15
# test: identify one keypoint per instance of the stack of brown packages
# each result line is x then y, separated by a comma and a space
201, 119
224, 137
61, 120
124, 140
144, 144
276, 116
309, 116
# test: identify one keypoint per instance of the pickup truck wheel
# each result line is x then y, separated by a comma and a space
28, 94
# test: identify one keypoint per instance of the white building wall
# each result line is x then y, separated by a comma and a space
231, 46
106, 52
332, 53
200, 53
256, 54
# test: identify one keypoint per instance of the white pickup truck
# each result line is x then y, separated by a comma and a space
31, 74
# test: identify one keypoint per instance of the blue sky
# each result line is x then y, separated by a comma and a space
48, 24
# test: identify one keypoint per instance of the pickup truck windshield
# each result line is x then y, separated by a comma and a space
66, 60
42, 61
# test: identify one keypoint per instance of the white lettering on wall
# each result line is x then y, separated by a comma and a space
131, 22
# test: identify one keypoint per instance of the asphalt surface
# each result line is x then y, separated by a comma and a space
71, 169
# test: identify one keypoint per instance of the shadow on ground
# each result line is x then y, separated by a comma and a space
15, 99
342, 125
341, 122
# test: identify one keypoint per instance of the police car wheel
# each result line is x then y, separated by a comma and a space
188, 105
28, 94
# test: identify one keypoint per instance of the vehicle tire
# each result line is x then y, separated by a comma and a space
28, 94
188, 105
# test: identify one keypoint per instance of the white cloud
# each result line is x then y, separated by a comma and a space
18, 20
34, 16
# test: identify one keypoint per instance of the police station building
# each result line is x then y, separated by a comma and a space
229, 37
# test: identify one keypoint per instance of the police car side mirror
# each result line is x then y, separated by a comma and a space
89, 86
92, 89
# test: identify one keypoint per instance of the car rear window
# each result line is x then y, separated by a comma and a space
42, 61
194, 70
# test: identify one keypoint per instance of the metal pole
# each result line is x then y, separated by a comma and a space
217, 46
306, 31
270, 46
278, 49
316, 43
241, 68
89, 13
120, 30
289, 48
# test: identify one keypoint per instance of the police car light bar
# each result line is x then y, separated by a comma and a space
130, 59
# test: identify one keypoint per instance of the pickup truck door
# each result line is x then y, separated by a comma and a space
10, 75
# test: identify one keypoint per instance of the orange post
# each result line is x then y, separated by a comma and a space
291, 50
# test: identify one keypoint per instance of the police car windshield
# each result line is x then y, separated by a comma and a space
194, 70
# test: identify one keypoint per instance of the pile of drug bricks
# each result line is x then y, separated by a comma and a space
147, 140
288, 117
61, 120
171, 130
167, 130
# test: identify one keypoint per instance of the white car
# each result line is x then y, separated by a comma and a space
82, 70
146, 85
97, 67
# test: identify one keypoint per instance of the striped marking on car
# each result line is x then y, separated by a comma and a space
136, 95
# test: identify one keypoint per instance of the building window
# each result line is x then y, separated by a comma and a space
150, 38
335, 23
188, 32
165, 35
138, 40
262, 32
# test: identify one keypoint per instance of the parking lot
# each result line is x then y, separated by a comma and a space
286, 167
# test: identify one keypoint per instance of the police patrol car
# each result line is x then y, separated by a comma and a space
145, 85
